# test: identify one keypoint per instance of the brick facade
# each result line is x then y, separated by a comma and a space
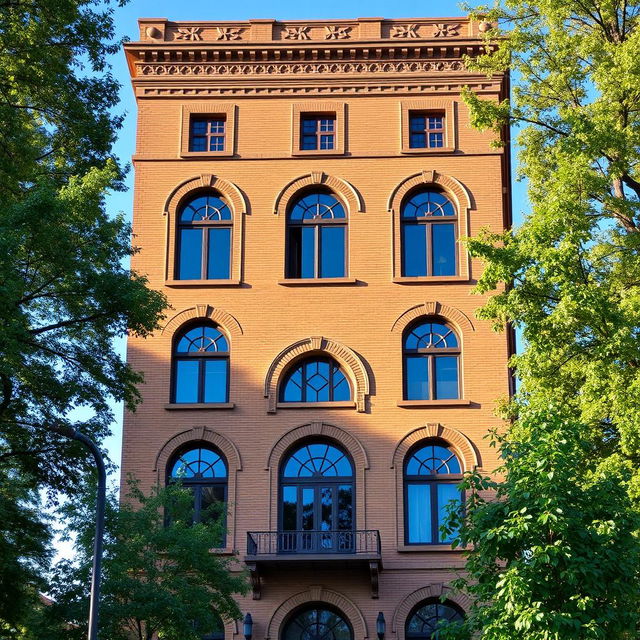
261, 75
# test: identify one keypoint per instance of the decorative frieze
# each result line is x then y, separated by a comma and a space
296, 33
229, 33
333, 32
187, 33
404, 31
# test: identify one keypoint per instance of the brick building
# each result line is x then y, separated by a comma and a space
300, 189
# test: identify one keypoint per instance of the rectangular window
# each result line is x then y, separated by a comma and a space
317, 132
444, 249
414, 250
446, 493
426, 130
417, 378
215, 380
207, 133
419, 513
190, 265
219, 266
446, 377
187, 373
332, 258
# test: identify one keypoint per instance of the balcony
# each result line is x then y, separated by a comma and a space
267, 550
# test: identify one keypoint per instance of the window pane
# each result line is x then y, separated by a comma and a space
289, 496
309, 142
293, 387
444, 249
326, 141
414, 250
446, 493
219, 254
307, 509
417, 141
345, 501
198, 144
417, 123
341, 389
216, 143
317, 387
308, 253
417, 374
186, 383
309, 125
215, 380
190, 254
199, 126
211, 503
332, 252
326, 509
435, 140
419, 513
446, 377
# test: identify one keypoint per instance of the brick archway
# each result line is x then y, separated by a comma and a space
452, 314
317, 594
352, 363
230, 325
323, 430
341, 187
432, 591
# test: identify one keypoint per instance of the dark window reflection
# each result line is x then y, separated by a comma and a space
315, 380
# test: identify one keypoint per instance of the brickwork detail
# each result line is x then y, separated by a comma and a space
339, 186
318, 594
321, 430
353, 365
220, 317
457, 317
432, 591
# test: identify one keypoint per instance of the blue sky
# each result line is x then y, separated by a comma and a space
126, 25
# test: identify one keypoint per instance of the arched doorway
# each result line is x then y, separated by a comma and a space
317, 622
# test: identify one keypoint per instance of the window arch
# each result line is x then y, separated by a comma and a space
432, 472
429, 616
315, 379
203, 470
200, 365
204, 242
429, 231
431, 359
317, 622
316, 499
317, 237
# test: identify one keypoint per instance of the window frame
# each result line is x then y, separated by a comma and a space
208, 120
205, 225
318, 224
432, 481
426, 131
318, 133
313, 109
428, 601
320, 606
224, 111
201, 357
429, 222
303, 362
431, 353
447, 107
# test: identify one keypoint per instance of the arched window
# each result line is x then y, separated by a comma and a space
204, 238
317, 237
215, 633
431, 475
316, 500
203, 471
200, 365
315, 380
317, 622
431, 361
429, 231
430, 616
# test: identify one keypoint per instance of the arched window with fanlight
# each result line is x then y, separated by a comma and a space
205, 226
200, 365
318, 621
203, 471
428, 221
427, 620
432, 473
316, 499
431, 354
317, 237
315, 379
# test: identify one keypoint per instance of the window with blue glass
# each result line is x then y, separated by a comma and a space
315, 379
316, 499
431, 361
317, 132
317, 237
205, 225
207, 134
430, 617
426, 130
432, 473
428, 222
203, 471
200, 365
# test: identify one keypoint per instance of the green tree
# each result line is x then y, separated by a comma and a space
557, 556
160, 574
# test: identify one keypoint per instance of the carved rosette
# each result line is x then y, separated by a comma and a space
446, 30
405, 31
229, 33
188, 33
297, 33
333, 32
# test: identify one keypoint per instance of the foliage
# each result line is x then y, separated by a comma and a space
159, 577
557, 555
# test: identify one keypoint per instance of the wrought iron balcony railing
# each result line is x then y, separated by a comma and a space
266, 543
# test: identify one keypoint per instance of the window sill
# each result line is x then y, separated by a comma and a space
429, 279
206, 154
421, 548
434, 403
427, 150
317, 405
173, 406
301, 282
223, 551
317, 152
203, 283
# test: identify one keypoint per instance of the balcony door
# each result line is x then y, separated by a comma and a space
316, 498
